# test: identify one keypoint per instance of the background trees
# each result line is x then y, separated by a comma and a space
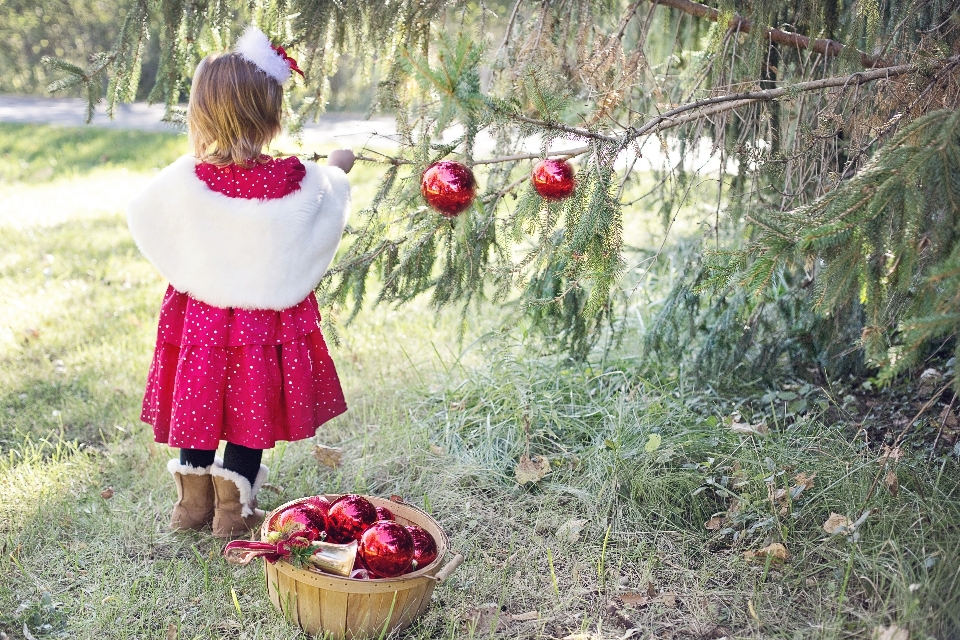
834, 185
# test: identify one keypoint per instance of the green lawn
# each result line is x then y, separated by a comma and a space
613, 539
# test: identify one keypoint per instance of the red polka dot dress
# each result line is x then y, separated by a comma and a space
247, 376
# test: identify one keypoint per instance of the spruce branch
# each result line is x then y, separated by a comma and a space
731, 101
826, 47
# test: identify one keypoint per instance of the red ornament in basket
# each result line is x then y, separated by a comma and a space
424, 547
387, 549
349, 517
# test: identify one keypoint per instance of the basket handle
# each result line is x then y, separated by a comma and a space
448, 568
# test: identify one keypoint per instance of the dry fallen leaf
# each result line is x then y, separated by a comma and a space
759, 429
713, 523
635, 599
803, 481
328, 456
929, 383
889, 453
892, 482
107, 493
526, 617
776, 552
837, 523
948, 418
485, 618
570, 530
893, 632
171, 631
532, 470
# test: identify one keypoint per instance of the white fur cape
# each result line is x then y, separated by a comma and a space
233, 252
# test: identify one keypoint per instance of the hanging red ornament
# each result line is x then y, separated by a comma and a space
349, 517
448, 187
384, 514
387, 549
553, 179
424, 546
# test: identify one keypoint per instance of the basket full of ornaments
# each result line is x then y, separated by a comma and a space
349, 566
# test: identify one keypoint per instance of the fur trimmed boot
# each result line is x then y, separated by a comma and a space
195, 497
235, 509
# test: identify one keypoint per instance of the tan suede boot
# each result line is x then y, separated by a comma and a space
235, 510
195, 497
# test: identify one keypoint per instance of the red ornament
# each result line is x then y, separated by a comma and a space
360, 574
424, 547
349, 517
319, 504
387, 549
384, 514
448, 187
553, 179
298, 520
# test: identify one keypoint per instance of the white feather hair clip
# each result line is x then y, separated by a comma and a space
256, 48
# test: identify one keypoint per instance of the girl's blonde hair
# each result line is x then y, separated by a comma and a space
234, 110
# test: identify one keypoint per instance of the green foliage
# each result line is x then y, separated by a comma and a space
601, 74
444, 430
883, 244
69, 29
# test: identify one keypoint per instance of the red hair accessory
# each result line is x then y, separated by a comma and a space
290, 61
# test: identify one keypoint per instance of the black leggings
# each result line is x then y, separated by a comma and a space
236, 458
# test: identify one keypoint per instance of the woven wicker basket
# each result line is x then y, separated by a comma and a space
329, 606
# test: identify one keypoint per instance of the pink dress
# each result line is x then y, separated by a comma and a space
250, 377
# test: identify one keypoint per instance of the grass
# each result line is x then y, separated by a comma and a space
32, 153
638, 465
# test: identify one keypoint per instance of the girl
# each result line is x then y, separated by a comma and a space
243, 239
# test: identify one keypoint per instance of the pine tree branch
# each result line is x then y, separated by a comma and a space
668, 119
567, 154
559, 126
625, 21
506, 33
719, 104
735, 100
826, 47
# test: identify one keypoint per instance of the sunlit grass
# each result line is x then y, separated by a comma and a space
39, 153
637, 466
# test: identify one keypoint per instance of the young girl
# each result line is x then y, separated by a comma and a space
243, 239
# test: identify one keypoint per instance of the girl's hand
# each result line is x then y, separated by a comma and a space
342, 158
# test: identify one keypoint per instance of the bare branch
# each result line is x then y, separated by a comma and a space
735, 100
559, 126
568, 153
829, 48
